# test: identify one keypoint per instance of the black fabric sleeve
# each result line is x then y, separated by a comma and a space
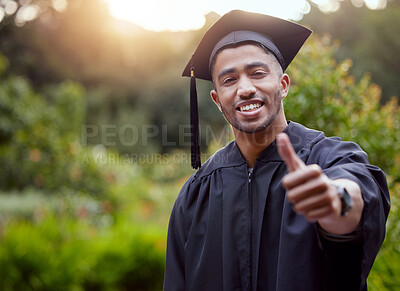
346, 160
174, 274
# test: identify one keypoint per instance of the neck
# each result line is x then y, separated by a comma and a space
252, 144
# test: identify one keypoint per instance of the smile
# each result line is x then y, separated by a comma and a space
250, 107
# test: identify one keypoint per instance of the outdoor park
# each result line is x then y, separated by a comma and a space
95, 136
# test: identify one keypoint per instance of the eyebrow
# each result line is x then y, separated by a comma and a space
225, 72
248, 67
257, 64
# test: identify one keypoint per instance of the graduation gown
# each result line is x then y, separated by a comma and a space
231, 230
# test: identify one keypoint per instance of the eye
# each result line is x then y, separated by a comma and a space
228, 80
259, 74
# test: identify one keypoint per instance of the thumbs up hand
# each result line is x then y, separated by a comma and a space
314, 195
287, 153
309, 189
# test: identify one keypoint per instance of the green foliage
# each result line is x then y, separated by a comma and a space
325, 96
63, 254
131, 76
384, 273
130, 257
39, 138
75, 242
40, 257
368, 37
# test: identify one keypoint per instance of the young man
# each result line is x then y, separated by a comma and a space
282, 207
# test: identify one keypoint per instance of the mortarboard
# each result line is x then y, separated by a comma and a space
283, 38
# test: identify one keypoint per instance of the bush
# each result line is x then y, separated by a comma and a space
129, 257
39, 138
323, 95
78, 243
386, 269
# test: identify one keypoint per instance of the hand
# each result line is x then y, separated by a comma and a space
309, 189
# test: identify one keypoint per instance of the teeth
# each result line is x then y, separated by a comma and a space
250, 107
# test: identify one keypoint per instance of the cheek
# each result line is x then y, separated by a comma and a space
270, 86
224, 97
227, 104
227, 94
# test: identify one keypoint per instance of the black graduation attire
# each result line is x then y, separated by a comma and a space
233, 231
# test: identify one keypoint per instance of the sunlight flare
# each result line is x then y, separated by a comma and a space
189, 14
159, 15
376, 4
180, 15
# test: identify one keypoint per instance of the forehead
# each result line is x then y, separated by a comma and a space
241, 55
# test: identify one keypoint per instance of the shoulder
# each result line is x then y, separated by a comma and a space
316, 147
226, 157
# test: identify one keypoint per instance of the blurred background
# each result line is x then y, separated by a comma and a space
94, 134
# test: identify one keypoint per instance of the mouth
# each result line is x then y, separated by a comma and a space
249, 107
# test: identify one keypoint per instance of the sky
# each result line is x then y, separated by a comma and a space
177, 15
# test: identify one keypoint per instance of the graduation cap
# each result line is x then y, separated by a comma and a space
283, 38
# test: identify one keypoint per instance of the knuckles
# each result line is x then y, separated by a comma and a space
314, 170
316, 207
311, 193
309, 173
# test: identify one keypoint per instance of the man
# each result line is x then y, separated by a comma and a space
282, 207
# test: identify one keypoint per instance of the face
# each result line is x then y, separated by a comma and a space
249, 88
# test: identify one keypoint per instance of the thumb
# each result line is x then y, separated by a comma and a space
287, 153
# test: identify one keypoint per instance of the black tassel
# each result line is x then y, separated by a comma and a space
194, 123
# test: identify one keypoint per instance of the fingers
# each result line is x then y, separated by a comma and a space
287, 153
317, 206
309, 184
319, 213
308, 187
297, 178
315, 200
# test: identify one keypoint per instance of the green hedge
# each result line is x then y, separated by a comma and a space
386, 269
75, 249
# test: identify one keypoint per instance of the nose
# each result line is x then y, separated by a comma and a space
246, 88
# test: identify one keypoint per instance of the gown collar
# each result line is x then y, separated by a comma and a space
230, 155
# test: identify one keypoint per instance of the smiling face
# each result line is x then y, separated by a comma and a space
249, 88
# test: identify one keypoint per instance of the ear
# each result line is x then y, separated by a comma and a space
215, 98
285, 84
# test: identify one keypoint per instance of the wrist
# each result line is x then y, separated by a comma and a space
345, 199
349, 208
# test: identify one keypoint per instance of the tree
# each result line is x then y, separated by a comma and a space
368, 37
40, 138
326, 96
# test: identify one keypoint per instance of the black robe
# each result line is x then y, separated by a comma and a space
233, 231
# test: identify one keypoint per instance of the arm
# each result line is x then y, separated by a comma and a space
367, 216
314, 195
